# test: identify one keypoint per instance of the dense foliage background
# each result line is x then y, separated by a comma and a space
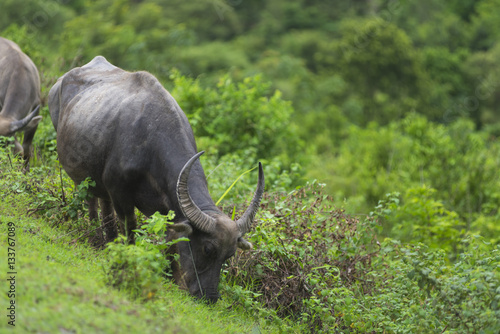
392, 105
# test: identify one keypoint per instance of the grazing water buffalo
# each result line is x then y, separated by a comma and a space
127, 133
19, 96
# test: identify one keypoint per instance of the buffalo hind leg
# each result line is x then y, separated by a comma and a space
29, 133
122, 202
93, 216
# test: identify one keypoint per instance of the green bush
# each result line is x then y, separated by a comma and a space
240, 118
382, 68
422, 218
43, 20
140, 268
306, 253
135, 269
52, 194
216, 58
462, 297
456, 161
327, 271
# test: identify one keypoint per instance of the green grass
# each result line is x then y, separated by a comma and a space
60, 289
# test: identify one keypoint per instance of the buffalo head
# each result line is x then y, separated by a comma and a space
8, 126
213, 238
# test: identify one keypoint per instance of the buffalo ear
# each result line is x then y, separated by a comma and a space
243, 244
182, 228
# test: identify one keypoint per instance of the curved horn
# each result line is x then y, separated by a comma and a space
198, 218
246, 220
18, 125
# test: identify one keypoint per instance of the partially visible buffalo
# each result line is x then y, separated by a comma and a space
19, 96
127, 133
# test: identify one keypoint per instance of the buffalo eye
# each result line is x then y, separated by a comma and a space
208, 249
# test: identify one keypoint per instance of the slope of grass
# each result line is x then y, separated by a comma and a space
60, 289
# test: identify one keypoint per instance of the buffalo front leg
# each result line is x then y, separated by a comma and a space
127, 218
108, 219
129, 222
92, 202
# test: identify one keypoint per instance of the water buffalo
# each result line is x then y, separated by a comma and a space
19, 96
127, 133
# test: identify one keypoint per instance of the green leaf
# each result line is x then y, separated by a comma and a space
232, 185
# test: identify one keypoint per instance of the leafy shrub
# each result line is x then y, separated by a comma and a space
461, 298
237, 116
242, 123
305, 251
134, 269
152, 233
50, 193
52, 201
42, 19
215, 57
456, 161
327, 271
140, 268
422, 219
77, 204
379, 61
